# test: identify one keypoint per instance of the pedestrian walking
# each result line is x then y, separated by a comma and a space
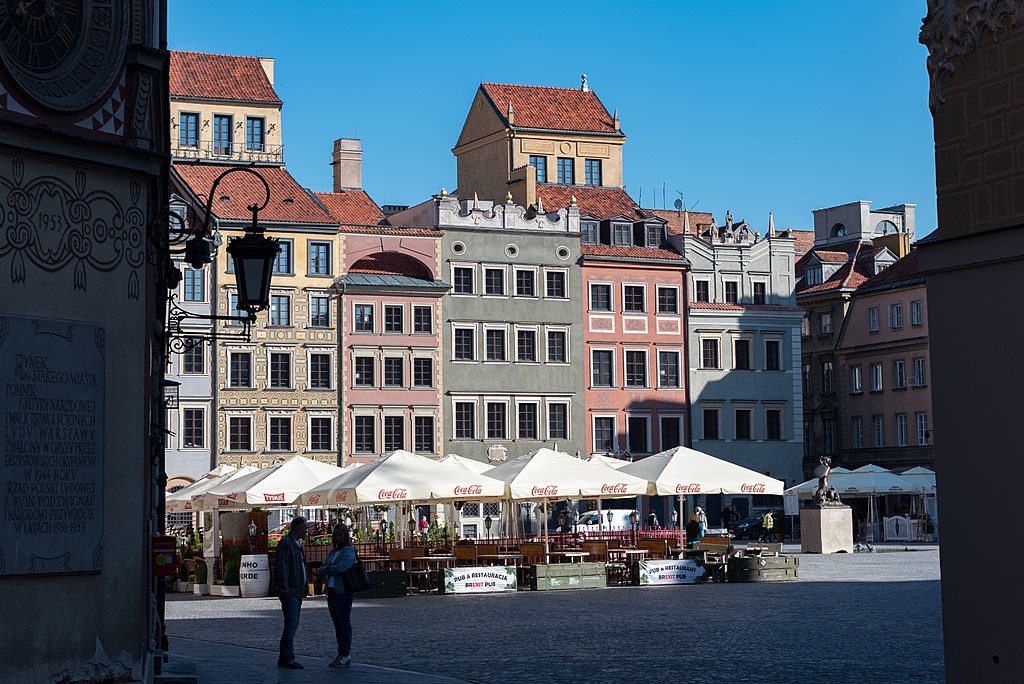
702, 518
290, 567
339, 598
768, 523
693, 531
652, 519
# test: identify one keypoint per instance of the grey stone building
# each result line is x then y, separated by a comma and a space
743, 330
511, 326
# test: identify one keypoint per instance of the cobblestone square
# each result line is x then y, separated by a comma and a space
851, 618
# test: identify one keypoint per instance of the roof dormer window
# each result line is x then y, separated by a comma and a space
588, 232
622, 234
813, 275
838, 230
655, 235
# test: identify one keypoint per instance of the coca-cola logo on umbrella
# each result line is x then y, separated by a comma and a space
341, 497
756, 488
392, 494
617, 488
468, 490
314, 500
692, 488
549, 490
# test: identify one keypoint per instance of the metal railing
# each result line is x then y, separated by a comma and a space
219, 151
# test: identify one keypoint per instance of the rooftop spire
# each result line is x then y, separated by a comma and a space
583, 83
771, 224
615, 119
686, 221
511, 114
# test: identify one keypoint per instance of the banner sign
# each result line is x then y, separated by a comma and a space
658, 572
479, 580
790, 503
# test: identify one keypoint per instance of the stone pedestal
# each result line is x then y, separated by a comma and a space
826, 530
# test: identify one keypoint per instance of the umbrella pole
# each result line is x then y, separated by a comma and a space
547, 548
682, 536
600, 522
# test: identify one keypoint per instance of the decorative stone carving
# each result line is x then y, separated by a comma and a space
951, 32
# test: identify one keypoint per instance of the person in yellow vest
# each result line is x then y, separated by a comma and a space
768, 522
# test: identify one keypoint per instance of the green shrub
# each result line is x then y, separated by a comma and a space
201, 572
232, 562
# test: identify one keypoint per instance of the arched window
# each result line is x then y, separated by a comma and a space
886, 228
838, 230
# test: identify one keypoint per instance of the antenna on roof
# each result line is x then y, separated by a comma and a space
583, 83
663, 201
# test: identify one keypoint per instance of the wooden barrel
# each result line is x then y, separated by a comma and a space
254, 576
763, 568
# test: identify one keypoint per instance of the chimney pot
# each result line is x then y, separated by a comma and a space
347, 161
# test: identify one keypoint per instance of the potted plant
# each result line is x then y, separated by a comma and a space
232, 565
201, 587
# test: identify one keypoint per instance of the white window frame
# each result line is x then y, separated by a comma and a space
232, 414
565, 277
564, 329
899, 374
374, 319
406, 369
650, 437
484, 268
857, 432
309, 368
917, 312
878, 431
921, 427
590, 380
718, 407
700, 351
290, 351
767, 290
896, 315
181, 426
739, 289
657, 303
436, 437
539, 415
622, 299
874, 319
406, 425
548, 403
856, 379
476, 418
516, 270
412, 321
590, 297
291, 432
378, 426
290, 295
902, 430
615, 432
422, 354
877, 377
206, 285
252, 368
680, 423
364, 352
384, 318
309, 432
647, 368
920, 378
537, 354
476, 342
473, 274
821, 323
779, 341
309, 310
679, 368
179, 359
504, 328
781, 408
507, 401
708, 280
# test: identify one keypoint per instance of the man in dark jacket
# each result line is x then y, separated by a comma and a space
290, 567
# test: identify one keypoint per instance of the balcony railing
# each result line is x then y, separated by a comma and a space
218, 151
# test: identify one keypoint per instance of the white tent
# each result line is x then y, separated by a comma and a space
546, 474
681, 471
922, 477
473, 465
278, 485
869, 480
609, 461
181, 501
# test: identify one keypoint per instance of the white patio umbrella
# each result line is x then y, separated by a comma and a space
682, 471
181, 501
469, 463
922, 477
278, 485
609, 461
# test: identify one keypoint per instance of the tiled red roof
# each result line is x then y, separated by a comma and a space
392, 230
904, 269
391, 263
289, 202
351, 206
851, 275
675, 219
630, 252
600, 202
831, 257
561, 109
220, 77
713, 306
804, 241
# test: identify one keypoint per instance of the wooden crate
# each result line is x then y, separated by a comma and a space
570, 576
763, 569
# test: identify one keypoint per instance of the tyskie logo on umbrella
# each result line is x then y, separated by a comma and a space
692, 488
550, 490
468, 490
274, 498
392, 494
617, 488
756, 488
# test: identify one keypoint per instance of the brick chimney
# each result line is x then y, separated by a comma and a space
347, 161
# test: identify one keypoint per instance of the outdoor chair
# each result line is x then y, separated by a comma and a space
486, 549
465, 555
657, 549
533, 555
190, 570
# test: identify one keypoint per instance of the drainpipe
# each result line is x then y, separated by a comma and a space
341, 376
688, 442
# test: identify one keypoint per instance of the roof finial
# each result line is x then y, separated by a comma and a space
476, 201
686, 221
540, 205
508, 197
511, 114
771, 224
572, 199
615, 119
728, 220
583, 83
444, 193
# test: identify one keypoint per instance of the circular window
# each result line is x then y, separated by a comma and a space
458, 248
563, 253
511, 250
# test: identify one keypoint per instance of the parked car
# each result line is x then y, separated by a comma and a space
752, 528
589, 522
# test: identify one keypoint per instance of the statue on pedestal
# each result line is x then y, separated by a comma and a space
825, 496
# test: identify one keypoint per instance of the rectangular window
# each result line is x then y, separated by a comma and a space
240, 369
896, 315
393, 315
601, 368
394, 433
193, 428
188, 130
604, 434
280, 310
540, 164
856, 381
741, 354
364, 438
283, 260
320, 371
920, 378
556, 346
710, 423
828, 430
364, 318
319, 312
464, 345
394, 371
702, 290
279, 434
235, 311
826, 376
280, 370
743, 424
319, 258
497, 421
423, 372
364, 371
806, 378
240, 433
668, 300
494, 343
320, 433
526, 345
193, 361
255, 134
423, 320
633, 299
655, 236
709, 353
732, 292
555, 283
772, 355
668, 369
465, 420
879, 431
902, 437
600, 297
526, 283
671, 434
636, 369
566, 170
622, 234
592, 169
825, 323
528, 428
922, 428
857, 432
494, 281
899, 374
558, 421
194, 285
463, 280
805, 326
876, 377
916, 312
638, 435
423, 434
773, 424
760, 293
588, 233
873, 319
222, 134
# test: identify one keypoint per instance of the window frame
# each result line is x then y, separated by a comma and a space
474, 343
488, 269
674, 289
327, 309
589, 172
704, 412
769, 357
388, 421
388, 362
530, 330
564, 273
391, 307
718, 353
566, 345
549, 405
503, 330
611, 367
356, 321
371, 420
539, 162
520, 404
698, 296
611, 298
456, 402
250, 144
329, 259
678, 364
251, 436
188, 273
625, 298
288, 253
418, 309
612, 432
309, 369
532, 271
275, 310
183, 411
648, 435
360, 382
459, 269
626, 384
271, 419
331, 432
488, 403
250, 372
418, 361
289, 354
416, 445
565, 165
183, 130
916, 312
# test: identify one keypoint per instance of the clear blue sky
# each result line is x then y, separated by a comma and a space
749, 106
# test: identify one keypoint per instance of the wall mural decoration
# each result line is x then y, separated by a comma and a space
54, 225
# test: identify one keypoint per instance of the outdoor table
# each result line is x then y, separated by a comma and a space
571, 556
628, 552
435, 560
515, 558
